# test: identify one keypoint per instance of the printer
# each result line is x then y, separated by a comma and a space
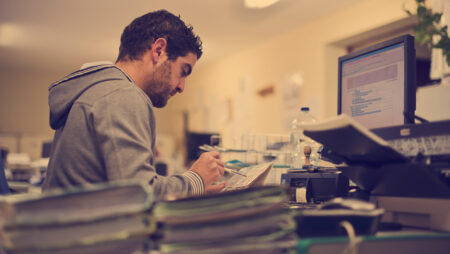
414, 192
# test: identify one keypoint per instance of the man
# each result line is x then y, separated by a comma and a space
103, 115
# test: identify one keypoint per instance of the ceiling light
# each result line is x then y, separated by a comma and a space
259, 4
10, 34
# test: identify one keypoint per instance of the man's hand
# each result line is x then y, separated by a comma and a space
214, 188
210, 168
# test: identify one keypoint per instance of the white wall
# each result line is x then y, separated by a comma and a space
24, 114
433, 102
23, 103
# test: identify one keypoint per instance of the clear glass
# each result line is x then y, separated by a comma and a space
299, 141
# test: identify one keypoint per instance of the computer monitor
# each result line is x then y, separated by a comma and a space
193, 141
377, 85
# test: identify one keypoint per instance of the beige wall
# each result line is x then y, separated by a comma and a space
308, 49
24, 112
23, 103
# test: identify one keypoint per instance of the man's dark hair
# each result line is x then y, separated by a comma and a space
139, 36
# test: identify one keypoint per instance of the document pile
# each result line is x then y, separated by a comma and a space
106, 218
252, 220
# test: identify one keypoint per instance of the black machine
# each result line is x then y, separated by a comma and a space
318, 186
193, 141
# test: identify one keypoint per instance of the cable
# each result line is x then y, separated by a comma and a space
411, 117
352, 239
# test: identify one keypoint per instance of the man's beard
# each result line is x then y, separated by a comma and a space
159, 89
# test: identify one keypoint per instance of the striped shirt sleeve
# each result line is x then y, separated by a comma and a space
195, 181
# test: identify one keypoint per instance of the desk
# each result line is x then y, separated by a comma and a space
23, 187
406, 241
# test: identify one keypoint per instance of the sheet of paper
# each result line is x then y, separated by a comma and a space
253, 174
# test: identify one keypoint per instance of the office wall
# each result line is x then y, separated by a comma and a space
307, 50
23, 104
432, 102
24, 112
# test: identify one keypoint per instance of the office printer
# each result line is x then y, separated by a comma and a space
414, 188
315, 186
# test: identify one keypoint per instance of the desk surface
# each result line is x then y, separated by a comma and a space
409, 241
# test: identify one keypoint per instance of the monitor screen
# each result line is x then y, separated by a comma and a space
377, 86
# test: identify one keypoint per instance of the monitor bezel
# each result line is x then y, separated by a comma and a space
409, 105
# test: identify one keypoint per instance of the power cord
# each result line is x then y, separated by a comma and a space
353, 241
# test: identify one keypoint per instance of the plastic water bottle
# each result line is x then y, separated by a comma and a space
298, 140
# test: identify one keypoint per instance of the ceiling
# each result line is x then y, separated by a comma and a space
63, 34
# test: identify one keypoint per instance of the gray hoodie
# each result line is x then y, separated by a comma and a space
105, 131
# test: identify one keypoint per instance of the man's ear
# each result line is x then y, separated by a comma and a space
158, 49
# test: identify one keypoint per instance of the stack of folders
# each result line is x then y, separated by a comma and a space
252, 220
100, 219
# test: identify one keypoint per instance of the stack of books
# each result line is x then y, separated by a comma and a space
105, 218
251, 220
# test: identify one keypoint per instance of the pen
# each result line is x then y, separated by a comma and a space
235, 172
209, 148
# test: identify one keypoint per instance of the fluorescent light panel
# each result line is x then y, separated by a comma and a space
259, 4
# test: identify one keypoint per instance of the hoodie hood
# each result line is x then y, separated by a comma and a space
64, 93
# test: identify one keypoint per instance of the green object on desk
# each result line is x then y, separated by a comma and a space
236, 164
281, 166
396, 242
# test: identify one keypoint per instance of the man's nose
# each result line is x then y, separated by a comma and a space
180, 87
